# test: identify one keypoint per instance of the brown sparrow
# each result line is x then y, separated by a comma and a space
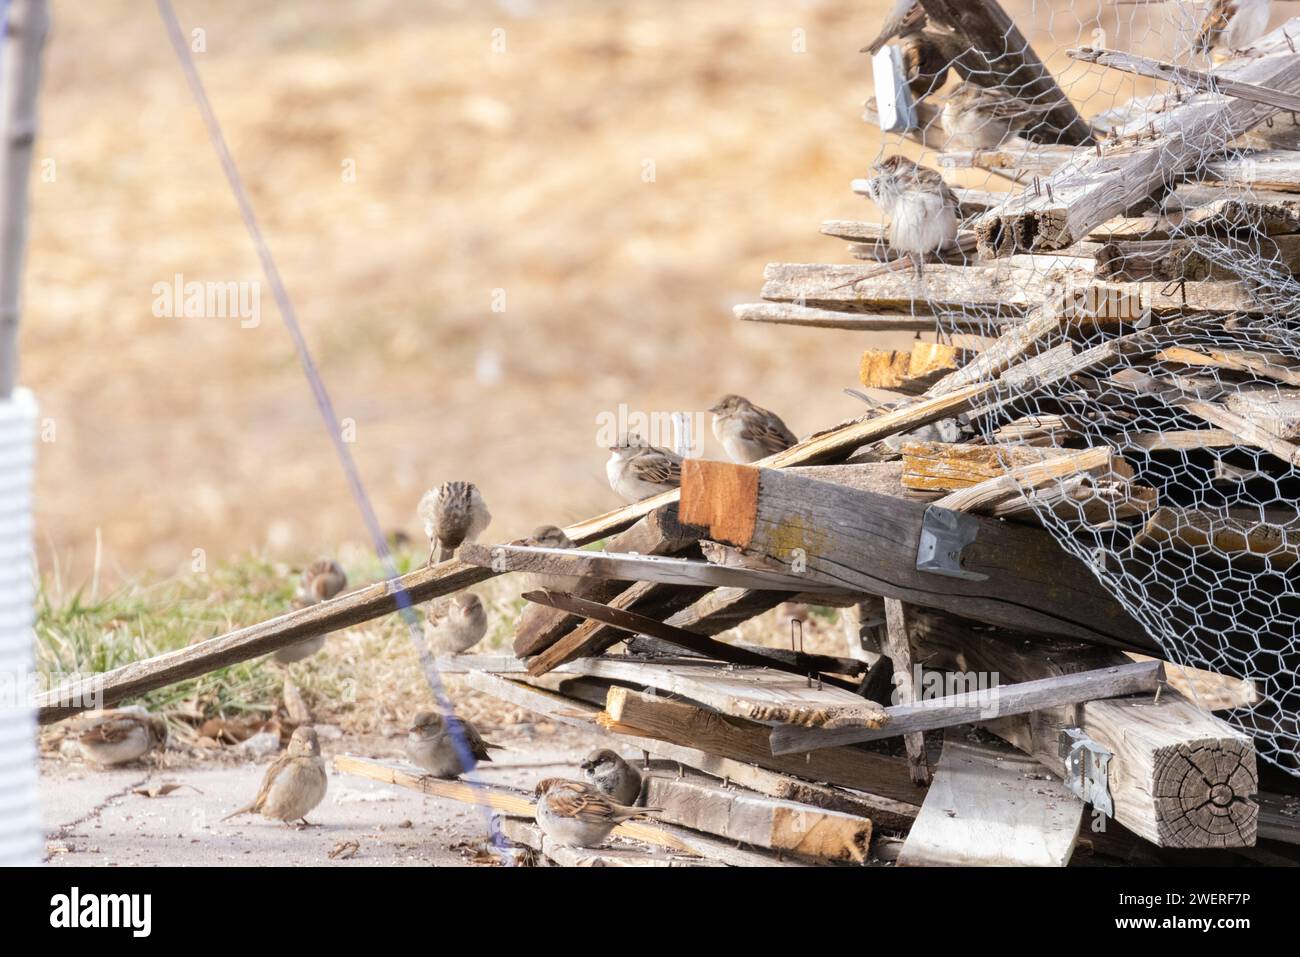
294, 784
922, 210
747, 432
431, 745
575, 813
121, 735
1232, 25
976, 117
906, 17
612, 776
453, 513
636, 470
456, 625
927, 55
320, 581
552, 536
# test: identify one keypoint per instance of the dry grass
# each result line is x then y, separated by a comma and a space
476, 171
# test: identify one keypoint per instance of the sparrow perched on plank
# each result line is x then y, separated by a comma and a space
294, 784
551, 536
1232, 25
612, 776
977, 117
320, 581
453, 513
922, 210
575, 813
455, 626
636, 470
431, 745
121, 735
748, 433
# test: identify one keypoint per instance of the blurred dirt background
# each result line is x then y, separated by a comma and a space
479, 172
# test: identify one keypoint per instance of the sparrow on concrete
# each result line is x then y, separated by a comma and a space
120, 735
1232, 25
748, 433
453, 513
551, 536
979, 117
294, 784
574, 813
432, 746
636, 470
922, 210
456, 625
612, 776
320, 581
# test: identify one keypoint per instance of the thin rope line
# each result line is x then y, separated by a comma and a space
326, 407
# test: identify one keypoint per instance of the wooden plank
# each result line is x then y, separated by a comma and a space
947, 466
791, 314
648, 568
1178, 776
982, 704
1079, 197
759, 820
1267, 365
883, 811
1185, 76
526, 833
899, 650
860, 540
1259, 169
498, 797
1226, 536
631, 712
757, 694
990, 806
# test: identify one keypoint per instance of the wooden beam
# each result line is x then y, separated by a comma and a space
1187, 77
1079, 197
791, 314
1178, 776
899, 649
760, 821
883, 811
524, 832
861, 540
990, 806
631, 712
982, 704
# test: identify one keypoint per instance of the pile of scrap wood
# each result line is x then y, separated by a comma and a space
999, 703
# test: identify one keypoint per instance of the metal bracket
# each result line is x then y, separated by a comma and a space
1087, 766
944, 535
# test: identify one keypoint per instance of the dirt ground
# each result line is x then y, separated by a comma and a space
105, 818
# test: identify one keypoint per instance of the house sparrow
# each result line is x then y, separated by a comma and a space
1232, 25
457, 625
612, 776
453, 513
927, 55
906, 17
575, 813
121, 735
747, 432
431, 745
294, 784
922, 210
976, 117
551, 536
636, 470
320, 581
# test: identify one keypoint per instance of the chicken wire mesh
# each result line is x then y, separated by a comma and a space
1158, 371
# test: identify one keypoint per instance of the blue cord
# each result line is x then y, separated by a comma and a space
326, 408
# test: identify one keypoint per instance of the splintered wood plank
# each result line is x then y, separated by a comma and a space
983, 704
991, 806
1265, 364
1187, 77
908, 371
899, 649
523, 831
1191, 530
759, 820
883, 811
946, 467
631, 712
790, 314
498, 797
1079, 197
757, 694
